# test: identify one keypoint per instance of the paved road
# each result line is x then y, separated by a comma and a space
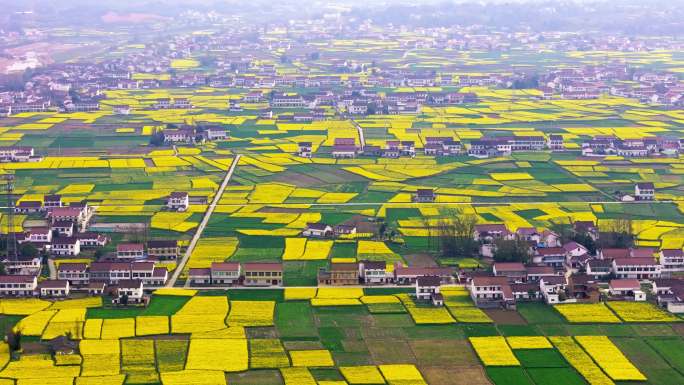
52, 268
432, 204
360, 130
207, 215
310, 287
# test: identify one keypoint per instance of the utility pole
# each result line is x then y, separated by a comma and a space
11, 235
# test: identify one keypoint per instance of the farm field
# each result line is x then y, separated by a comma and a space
341, 193
274, 193
265, 338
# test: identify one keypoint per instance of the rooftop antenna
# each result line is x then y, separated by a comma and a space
11, 235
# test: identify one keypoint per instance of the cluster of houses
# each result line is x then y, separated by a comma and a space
346, 148
323, 230
191, 134
130, 271
603, 145
379, 273
124, 281
494, 146
66, 231
234, 273
590, 82
559, 273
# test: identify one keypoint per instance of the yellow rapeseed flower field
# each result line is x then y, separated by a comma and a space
493, 351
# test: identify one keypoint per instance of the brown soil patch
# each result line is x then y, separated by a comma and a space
420, 260
435, 375
297, 179
505, 317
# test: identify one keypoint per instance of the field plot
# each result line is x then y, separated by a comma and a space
258, 335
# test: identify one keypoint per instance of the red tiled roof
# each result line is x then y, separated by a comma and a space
263, 266
225, 266
637, 261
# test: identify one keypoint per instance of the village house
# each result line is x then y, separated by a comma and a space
556, 142
163, 249
407, 275
263, 274
28, 207
109, 272
224, 273
642, 268
75, 273
38, 236
552, 288
344, 148
149, 274
586, 227
536, 272
23, 264
63, 228
644, 191
626, 289
671, 260
669, 294
358, 107
514, 271
599, 268
428, 289
18, 154
281, 100
304, 149
374, 272
199, 276
215, 133
442, 146
54, 288
491, 232
80, 215
550, 256
91, 240
178, 201
424, 196
317, 230
491, 292
344, 230
129, 291
179, 135
130, 251
18, 285
113, 272
65, 246
52, 201
339, 274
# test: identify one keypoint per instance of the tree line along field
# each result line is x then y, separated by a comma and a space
311, 336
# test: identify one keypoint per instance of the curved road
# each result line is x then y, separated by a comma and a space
207, 215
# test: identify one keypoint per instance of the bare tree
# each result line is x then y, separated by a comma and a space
455, 233
619, 233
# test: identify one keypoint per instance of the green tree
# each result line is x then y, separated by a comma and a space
28, 250
516, 250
